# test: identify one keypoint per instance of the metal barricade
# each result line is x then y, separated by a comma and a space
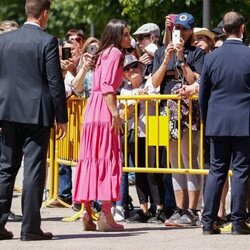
157, 135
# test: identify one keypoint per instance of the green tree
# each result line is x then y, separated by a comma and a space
84, 14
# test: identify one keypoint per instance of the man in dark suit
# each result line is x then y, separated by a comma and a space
225, 106
32, 96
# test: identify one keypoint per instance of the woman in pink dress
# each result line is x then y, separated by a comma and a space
98, 172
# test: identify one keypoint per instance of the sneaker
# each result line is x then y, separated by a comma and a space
175, 216
159, 217
139, 217
119, 214
188, 218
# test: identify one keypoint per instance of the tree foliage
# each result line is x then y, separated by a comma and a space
87, 14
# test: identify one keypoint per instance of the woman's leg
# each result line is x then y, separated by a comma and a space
193, 181
106, 221
179, 180
88, 223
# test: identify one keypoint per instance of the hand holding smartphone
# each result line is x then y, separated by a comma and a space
172, 19
176, 37
66, 53
92, 49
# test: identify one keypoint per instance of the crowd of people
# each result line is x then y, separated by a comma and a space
127, 63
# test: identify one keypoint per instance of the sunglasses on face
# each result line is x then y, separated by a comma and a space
134, 65
143, 36
77, 39
179, 27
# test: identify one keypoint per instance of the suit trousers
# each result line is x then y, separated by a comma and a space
226, 151
29, 142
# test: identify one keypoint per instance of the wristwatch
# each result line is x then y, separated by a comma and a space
181, 62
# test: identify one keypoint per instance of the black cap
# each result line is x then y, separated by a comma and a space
218, 30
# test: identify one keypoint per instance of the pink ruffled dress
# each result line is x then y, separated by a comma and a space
98, 173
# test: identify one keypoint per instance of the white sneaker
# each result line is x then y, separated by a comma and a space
119, 214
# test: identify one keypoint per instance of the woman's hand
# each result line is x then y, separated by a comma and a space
116, 125
188, 91
88, 60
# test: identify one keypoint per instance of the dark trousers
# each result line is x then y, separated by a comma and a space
30, 141
147, 185
223, 151
168, 194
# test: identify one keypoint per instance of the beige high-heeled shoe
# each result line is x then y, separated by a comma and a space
88, 224
104, 226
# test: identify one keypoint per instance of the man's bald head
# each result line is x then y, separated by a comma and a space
232, 23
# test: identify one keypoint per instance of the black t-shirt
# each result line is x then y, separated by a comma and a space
194, 57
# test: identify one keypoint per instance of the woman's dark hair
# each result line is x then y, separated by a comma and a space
112, 35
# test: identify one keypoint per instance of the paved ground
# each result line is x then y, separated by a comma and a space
69, 235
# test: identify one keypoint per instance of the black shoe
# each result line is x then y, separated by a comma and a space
241, 229
5, 235
32, 237
221, 222
14, 217
159, 217
211, 230
169, 212
139, 217
76, 207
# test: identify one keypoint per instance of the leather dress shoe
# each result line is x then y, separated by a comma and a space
241, 229
14, 217
32, 237
211, 230
5, 235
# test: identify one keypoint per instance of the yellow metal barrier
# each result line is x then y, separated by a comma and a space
157, 135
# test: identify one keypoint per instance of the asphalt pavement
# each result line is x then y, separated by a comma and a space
69, 235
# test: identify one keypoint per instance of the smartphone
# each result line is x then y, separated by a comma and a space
66, 53
172, 19
176, 36
92, 49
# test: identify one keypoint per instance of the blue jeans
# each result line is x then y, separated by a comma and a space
65, 182
123, 190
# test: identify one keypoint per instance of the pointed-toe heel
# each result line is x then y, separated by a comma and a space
88, 224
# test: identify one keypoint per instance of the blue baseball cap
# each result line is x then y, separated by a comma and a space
184, 19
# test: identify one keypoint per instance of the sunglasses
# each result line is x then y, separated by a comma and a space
143, 36
77, 39
179, 27
134, 65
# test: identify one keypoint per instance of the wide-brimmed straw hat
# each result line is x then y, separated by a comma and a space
204, 32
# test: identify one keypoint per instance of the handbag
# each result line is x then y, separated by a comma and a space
172, 105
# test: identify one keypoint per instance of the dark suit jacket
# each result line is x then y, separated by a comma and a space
31, 84
224, 94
